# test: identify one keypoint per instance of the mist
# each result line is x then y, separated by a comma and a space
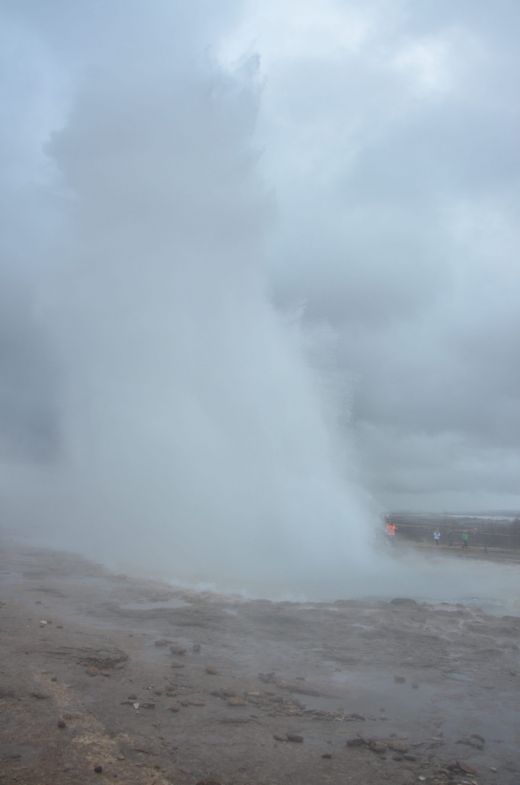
196, 439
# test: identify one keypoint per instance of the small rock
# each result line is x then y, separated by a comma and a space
410, 758
474, 740
132, 697
162, 642
98, 769
148, 705
458, 766
295, 738
62, 724
415, 686
43, 623
211, 670
378, 747
357, 741
174, 709
236, 702
178, 651
196, 648
39, 696
399, 679
136, 705
327, 755
396, 745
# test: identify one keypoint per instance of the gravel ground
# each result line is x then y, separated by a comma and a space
106, 679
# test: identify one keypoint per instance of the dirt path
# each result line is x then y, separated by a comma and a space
153, 685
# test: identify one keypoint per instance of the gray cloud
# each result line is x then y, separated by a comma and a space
399, 172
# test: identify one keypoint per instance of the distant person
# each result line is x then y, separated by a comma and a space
465, 539
391, 530
436, 536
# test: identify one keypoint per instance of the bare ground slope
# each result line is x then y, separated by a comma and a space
148, 684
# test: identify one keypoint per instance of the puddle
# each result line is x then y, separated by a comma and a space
451, 707
370, 693
155, 605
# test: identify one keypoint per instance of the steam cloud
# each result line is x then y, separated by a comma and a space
195, 437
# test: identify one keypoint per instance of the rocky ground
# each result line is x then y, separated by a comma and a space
106, 679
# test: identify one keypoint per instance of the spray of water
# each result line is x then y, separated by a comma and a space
196, 439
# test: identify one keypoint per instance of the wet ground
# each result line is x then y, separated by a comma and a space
148, 684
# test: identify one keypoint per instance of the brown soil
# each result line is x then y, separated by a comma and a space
153, 685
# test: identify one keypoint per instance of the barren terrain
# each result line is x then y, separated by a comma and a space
108, 679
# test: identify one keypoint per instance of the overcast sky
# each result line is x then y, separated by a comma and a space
386, 146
